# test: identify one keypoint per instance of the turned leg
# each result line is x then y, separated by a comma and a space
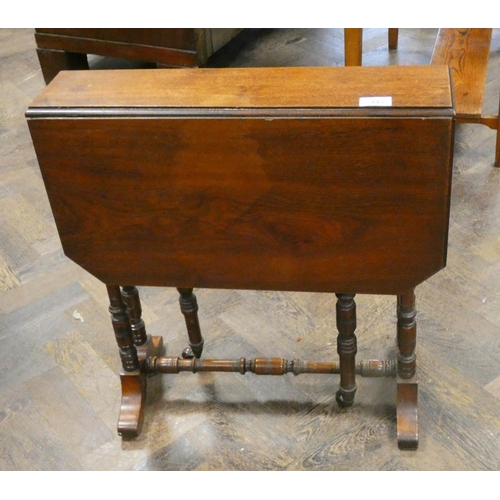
53, 61
407, 389
132, 382
135, 347
131, 298
146, 345
189, 308
123, 330
346, 348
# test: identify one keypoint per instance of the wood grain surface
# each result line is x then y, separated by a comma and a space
330, 87
322, 205
60, 387
466, 51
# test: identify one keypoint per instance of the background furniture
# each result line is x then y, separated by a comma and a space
467, 52
59, 49
353, 44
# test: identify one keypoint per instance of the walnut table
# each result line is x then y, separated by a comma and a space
295, 179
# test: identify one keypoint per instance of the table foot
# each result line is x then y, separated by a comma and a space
132, 405
193, 351
407, 413
345, 398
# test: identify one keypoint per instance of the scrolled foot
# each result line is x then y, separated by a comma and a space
407, 414
132, 405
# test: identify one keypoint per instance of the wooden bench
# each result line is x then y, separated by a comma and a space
466, 51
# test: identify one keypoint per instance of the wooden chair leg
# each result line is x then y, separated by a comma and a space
346, 348
393, 38
189, 308
407, 385
353, 46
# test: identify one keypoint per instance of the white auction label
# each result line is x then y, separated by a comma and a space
375, 101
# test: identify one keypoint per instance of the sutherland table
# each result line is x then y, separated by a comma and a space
257, 178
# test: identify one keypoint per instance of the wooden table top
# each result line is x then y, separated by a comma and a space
312, 87
289, 185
